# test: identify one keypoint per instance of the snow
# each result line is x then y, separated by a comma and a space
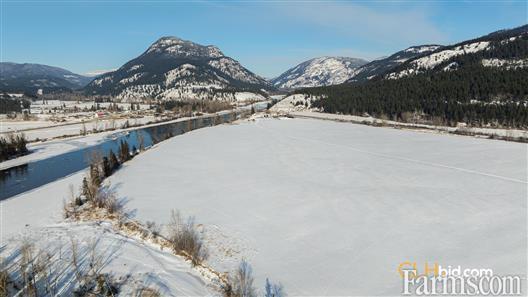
135, 67
506, 63
422, 49
233, 69
103, 80
248, 96
13, 126
318, 72
73, 128
43, 225
303, 113
43, 150
179, 47
292, 103
451, 66
175, 74
132, 78
435, 59
332, 208
205, 69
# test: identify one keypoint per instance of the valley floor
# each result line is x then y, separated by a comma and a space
325, 208
332, 208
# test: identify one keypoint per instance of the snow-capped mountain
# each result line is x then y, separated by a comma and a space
504, 49
173, 68
316, 72
383, 65
31, 77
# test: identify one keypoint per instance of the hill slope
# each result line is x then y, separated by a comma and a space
381, 66
481, 82
31, 77
172, 68
321, 71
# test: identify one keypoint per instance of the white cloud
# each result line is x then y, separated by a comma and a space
98, 72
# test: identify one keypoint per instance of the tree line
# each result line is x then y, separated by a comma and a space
470, 93
475, 95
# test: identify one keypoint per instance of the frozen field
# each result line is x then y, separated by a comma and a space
332, 208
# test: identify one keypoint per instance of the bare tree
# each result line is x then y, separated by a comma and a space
241, 283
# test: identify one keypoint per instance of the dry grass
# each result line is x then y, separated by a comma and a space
185, 238
147, 292
4, 281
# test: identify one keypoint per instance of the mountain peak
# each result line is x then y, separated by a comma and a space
176, 47
318, 71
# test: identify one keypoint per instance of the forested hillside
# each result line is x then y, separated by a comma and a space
485, 87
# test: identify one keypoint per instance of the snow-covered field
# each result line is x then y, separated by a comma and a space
332, 208
47, 130
511, 133
326, 208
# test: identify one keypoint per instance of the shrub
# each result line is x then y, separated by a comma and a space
12, 145
153, 228
185, 238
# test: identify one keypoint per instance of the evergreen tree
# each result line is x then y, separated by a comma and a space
124, 153
107, 168
113, 162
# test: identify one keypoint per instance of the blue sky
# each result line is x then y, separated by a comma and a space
267, 37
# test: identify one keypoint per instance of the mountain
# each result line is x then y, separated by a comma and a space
321, 71
29, 78
479, 82
503, 49
173, 68
381, 66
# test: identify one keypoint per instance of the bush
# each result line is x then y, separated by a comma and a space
241, 283
185, 238
12, 145
106, 199
153, 228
